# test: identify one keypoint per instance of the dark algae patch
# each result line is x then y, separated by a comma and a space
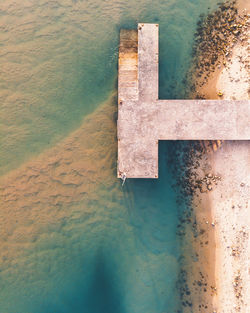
216, 34
190, 167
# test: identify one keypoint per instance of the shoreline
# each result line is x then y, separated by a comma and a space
196, 282
199, 265
216, 267
226, 203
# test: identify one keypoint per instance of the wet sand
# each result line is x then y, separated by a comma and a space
197, 279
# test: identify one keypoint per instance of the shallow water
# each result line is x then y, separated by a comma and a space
71, 239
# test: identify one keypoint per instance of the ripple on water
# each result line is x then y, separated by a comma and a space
70, 236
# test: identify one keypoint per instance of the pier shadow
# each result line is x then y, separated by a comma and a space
103, 294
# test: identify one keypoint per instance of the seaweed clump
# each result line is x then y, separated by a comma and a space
215, 35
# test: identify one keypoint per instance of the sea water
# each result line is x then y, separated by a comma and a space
72, 239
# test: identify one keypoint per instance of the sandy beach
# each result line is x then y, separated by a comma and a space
229, 206
230, 199
233, 82
222, 207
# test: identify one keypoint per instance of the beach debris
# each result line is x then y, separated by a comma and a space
237, 284
242, 184
235, 251
220, 93
213, 289
209, 187
206, 183
213, 224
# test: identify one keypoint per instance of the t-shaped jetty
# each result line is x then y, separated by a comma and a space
144, 119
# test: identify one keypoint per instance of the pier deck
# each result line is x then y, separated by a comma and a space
143, 119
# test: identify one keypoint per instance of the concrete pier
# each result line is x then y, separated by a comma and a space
143, 119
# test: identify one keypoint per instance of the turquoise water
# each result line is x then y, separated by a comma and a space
71, 239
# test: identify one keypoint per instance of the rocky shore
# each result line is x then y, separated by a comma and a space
196, 282
215, 39
214, 179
